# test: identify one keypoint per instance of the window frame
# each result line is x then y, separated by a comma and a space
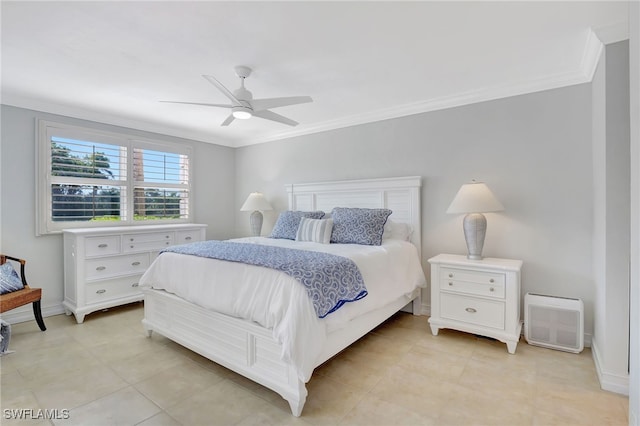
45, 224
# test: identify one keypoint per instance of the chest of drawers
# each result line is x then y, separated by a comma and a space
102, 266
476, 296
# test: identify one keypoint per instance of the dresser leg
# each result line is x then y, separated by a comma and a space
435, 330
511, 347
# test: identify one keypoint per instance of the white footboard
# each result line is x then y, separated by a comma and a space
239, 345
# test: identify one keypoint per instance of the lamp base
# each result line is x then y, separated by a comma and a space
475, 229
256, 223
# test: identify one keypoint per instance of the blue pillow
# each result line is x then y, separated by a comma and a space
358, 225
9, 279
286, 226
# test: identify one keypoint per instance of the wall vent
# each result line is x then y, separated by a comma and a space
554, 322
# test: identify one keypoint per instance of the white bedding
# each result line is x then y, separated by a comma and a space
279, 302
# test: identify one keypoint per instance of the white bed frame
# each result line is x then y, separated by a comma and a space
249, 349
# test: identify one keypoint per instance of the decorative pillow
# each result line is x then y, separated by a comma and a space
288, 222
396, 231
358, 226
315, 230
9, 279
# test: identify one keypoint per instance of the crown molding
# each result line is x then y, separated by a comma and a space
79, 113
613, 33
446, 102
590, 57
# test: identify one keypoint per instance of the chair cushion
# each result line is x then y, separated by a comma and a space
9, 279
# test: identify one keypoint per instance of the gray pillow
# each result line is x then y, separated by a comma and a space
9, 279
286, 226
358, 225
315, 230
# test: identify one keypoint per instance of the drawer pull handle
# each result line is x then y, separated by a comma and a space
187, 238
130, 239
131, 246
101, 268
101, 291
167, 242
103, 245
492, 289
166, 236
491, 280
450, 275
450, 283
138, 263
134, 285
471, 310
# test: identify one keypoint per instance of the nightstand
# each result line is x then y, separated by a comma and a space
476, 296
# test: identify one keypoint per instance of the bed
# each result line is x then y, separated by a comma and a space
281, 356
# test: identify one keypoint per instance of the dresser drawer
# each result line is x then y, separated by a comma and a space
103, 245
147, 242
473, 282
112, 289
481, 312
118, 265
188, 236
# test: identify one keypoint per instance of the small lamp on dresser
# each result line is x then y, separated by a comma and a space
473, 199
256, 203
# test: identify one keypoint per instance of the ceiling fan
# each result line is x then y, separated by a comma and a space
243, 106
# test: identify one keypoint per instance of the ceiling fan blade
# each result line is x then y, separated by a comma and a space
270, 115
268, 103
199, 103
211, 79
228, 121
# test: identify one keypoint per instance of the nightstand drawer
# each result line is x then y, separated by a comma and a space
473, 282
481, 312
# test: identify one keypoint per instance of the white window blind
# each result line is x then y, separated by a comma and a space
105, 179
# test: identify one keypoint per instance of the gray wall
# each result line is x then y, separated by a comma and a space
213, 195
534, 152
611, 174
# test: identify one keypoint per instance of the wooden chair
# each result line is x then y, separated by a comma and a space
19, 298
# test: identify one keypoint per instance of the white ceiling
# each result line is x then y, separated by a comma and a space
360, 61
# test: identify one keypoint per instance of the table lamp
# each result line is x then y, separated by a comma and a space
474, 199
256, 203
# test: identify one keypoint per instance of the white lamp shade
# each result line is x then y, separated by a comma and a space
255, 201
475, 197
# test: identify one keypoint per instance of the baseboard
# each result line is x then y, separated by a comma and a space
608, 381
25, 313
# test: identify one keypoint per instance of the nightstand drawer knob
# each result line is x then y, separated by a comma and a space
450, 275
492, 289
491, 280
450, 283
471, 310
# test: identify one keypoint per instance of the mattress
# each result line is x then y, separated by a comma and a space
277, 301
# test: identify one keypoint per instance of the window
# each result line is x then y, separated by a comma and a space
105, 179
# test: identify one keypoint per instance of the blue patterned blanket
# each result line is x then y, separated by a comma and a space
330, 280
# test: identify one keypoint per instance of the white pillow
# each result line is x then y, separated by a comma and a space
315, 230
396, 231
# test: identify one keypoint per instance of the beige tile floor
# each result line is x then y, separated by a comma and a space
106, 371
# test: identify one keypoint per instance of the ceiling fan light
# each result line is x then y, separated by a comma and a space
242, 113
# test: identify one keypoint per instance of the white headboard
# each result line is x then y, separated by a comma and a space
401, 195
